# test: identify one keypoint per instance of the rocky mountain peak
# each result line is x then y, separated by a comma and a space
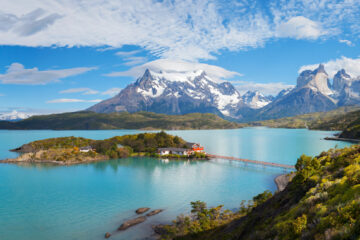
317, 80
341, 80
320, 69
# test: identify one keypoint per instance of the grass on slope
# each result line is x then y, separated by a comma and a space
123, 120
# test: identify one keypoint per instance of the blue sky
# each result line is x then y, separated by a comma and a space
60, 55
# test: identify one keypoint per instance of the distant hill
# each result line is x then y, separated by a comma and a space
124, 120
345, 119
319, 120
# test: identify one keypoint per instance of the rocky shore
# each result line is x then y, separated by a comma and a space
343, 139
38, 157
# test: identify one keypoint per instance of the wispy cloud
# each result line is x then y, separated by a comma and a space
84, 91
186, 29
351, 66
131, 61
112, 91
347, 42
265, 88
126, 54
73, 100
18, 74
215, 72
130, 58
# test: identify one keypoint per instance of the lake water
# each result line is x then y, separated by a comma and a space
85, 201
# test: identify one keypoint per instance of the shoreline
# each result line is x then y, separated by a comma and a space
64, 163
342, 139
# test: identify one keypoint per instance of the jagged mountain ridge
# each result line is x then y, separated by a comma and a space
176, 93
188, 92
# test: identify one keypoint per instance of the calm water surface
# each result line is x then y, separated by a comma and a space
85, 201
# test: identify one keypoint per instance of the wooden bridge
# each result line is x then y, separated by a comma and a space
253, 161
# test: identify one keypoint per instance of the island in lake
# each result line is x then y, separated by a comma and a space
76, 150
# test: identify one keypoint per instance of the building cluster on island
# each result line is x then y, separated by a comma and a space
191, 149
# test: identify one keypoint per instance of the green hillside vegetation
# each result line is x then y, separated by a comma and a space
318, 120
321, 202
123, 120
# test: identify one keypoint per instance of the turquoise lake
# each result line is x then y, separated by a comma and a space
84, 201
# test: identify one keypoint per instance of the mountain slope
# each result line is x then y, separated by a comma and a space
175, 93
124, 120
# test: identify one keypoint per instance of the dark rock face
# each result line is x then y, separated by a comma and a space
131, 223
142, 210
154, 212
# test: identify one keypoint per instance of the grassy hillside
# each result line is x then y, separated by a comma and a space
124, 120
321, 202
318, 120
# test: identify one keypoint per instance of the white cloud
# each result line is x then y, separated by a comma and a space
84, 91
265, 88
131, 61
112, 91
179, 29
351, 66
347, 42
17, 74
300, 28
215, 72
129, 53
73, 100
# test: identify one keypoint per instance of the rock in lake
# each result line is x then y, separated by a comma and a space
142, 210
131, 223
107, 235
154, 212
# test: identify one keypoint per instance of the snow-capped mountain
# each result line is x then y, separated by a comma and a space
14, 116
189, 92
256, 100
314, 93
175, 93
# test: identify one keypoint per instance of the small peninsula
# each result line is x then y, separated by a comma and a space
77, 150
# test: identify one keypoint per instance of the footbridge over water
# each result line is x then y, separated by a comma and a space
253, 161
